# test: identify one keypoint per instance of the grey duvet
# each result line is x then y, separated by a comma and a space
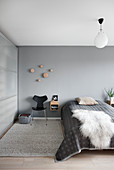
74, 141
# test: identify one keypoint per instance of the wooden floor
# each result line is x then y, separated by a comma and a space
86, 160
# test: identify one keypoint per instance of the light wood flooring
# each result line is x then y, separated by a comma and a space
86, 160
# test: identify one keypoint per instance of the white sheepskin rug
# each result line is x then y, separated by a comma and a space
96, 125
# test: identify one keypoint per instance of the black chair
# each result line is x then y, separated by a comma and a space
40, 105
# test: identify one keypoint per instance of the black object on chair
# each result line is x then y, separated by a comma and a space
40, 105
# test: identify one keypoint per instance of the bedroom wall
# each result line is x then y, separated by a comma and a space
8, 83
78, 71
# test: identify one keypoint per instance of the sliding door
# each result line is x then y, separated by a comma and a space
8, 83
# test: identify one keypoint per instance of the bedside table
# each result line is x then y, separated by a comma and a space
110, 102
54, 105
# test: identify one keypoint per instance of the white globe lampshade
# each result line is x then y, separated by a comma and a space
101, 40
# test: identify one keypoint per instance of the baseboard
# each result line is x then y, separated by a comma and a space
48, 118
6, 129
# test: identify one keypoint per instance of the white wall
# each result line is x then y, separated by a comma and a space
8, 83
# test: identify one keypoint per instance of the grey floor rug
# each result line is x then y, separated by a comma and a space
35, 140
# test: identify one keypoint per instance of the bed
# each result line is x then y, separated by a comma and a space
74, 142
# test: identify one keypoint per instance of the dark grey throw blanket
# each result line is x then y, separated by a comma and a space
74, 141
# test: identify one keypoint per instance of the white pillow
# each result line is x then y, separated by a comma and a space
86, 101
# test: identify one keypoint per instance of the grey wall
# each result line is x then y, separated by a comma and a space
8, 83
78, 71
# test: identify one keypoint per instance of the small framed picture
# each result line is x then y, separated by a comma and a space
55, 97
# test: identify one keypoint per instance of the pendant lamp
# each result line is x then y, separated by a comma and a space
101, 40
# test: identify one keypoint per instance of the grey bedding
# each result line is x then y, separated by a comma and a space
73, 141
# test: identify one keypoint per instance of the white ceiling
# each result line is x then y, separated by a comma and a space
55, 22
